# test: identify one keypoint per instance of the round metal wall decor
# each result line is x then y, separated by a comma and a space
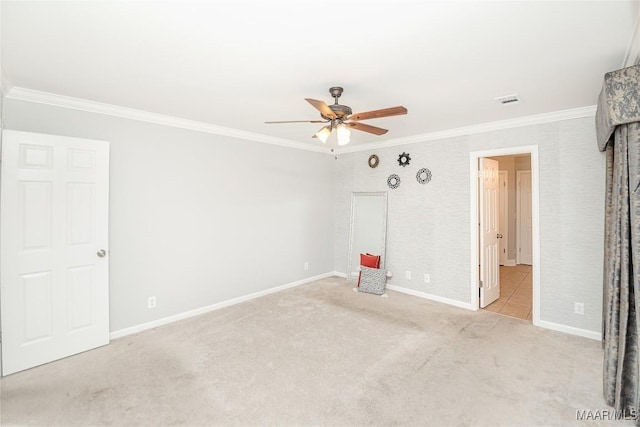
393, 181
404, 159
423, 176
374, 161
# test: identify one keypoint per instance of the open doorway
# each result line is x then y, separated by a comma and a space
505, 239
514, 237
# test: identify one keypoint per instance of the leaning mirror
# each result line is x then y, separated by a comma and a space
368, 229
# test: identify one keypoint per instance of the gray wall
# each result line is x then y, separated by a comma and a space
195, 218
198, 219
428, 225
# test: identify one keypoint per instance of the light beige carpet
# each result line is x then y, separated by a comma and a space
320, 354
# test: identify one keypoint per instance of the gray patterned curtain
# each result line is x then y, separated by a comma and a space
618, 130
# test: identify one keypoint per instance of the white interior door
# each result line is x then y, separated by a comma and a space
54, 248
524, 216
489, 259
503, 224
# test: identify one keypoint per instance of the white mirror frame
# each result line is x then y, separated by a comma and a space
383, 232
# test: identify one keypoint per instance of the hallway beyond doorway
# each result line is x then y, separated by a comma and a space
515, 293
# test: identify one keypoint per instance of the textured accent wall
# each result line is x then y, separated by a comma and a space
428, 225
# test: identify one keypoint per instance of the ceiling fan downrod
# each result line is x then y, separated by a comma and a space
335, 92
340, 111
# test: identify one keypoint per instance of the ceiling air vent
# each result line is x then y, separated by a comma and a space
508, 99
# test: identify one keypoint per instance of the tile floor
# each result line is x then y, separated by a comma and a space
515, 292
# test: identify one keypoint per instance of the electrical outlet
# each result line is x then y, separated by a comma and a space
427, 278
151, 303
407, 274
306, 266
578, 308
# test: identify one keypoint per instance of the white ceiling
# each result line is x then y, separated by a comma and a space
238, 64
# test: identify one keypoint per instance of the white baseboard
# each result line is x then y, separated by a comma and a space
568, 329
541, 323
166, 320
431, 297
510, 263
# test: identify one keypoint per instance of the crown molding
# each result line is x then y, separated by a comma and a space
480, 128
30, 95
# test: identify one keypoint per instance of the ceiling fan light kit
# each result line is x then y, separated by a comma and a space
343, 134
323, 134
341, 118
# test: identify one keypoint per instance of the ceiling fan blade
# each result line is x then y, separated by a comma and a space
376, 114
322, 107
367, 128
299, 121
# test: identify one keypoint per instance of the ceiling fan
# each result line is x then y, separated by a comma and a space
340, 118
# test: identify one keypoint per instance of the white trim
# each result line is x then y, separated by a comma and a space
30, 95
431, 297
539, 323
569, 330
556, 116
202, 310
510, 263
473, 223
340, 274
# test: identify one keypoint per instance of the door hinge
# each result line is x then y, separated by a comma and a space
481, 284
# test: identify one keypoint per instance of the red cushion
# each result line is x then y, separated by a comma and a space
368, 260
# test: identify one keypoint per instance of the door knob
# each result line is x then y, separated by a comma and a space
102, 253
499, 236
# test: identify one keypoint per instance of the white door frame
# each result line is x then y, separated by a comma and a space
504, 213
474, 157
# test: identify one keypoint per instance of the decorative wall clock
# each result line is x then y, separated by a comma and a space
393, 181
404, 159
423, 176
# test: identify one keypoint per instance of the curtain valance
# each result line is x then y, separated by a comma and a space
618, 102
